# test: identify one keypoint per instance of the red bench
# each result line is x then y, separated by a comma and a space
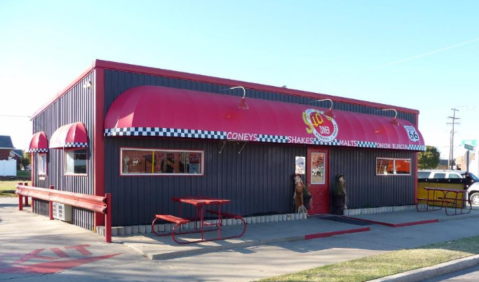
170, 218
230, 215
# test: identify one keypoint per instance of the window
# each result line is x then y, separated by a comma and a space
423, 174
75, 161
455, 176
440, 175
386, 166
161, 162
41, 164
317, 168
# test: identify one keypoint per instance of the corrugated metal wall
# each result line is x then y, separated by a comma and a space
78, 105
364, 187
258, 180
116, 82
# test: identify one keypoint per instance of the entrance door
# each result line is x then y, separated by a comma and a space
318, 180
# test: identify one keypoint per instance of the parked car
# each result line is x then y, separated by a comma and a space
472, 186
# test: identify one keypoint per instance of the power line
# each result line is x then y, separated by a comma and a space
451, 149
14, 116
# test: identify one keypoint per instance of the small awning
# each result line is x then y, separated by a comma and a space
170, 112
39, 143
72, 135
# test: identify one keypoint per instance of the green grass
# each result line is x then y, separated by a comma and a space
7, 188
382, 265
23, 173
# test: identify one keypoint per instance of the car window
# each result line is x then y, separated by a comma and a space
453, 175
440, 175
476, 179
423, 174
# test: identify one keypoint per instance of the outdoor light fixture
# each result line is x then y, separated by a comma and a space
395, 120
87, 84
330, 111
242, 104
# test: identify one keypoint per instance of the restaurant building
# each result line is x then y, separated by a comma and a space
146, 135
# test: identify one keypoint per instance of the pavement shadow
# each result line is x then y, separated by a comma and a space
8, 205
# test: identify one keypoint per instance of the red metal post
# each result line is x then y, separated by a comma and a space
26, 198
20, 200
51, 205
108, 218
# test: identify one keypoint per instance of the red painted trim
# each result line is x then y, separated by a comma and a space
329, 234
231, 82
50, 205
98, 141
32, 167
394, 225
108, 218
63, 92
416, 164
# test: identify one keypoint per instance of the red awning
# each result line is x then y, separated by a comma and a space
39, 143
72, 135
170, 112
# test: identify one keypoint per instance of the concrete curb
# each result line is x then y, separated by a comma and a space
432, 271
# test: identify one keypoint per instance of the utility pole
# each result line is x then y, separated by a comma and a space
451, 148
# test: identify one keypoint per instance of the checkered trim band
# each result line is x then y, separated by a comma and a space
272, 138
165, 132
366, 144
76, 145
335, 142
204, 134
38, 150
413, 147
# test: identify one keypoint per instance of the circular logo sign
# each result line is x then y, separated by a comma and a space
322, 126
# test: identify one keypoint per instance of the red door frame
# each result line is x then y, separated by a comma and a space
319, 192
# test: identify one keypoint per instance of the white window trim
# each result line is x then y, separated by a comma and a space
43, 173
394, 163
202, 152
65, 173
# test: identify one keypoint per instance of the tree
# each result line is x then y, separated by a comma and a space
26, 161
429, 158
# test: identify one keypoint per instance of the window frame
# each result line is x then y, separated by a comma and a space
121, 174
65, 162
43, 173
394, 167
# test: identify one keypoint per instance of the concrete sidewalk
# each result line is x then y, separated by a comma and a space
160, 248
32, 245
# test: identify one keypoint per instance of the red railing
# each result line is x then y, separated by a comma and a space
94, 203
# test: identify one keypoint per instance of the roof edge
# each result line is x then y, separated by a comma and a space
211, 79
63, 91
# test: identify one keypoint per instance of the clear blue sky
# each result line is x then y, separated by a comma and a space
417, 54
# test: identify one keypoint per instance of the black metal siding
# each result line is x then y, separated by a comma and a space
364, 187
77, 105
259, 180
41, 207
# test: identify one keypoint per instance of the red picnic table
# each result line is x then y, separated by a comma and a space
199, 202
